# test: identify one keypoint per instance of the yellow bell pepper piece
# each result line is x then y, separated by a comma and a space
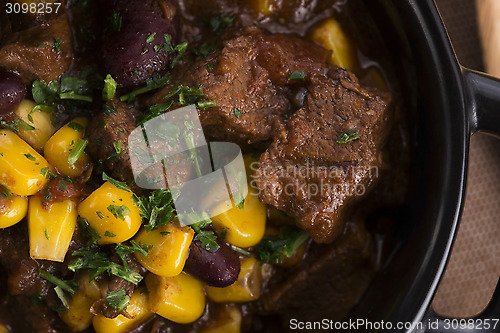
180, 298
78, 317
66, 142
50, 229
3, 329
247, 288
243, 226
331, 36
112, 213
264, 7
40, 120
169, 248
12, 210
227, 321
21, 167
138, 309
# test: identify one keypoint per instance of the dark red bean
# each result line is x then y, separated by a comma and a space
139, 50
217, 269
12, 91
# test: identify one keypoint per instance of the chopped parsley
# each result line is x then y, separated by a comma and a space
273, 248
76, 126
101, 216
57, 44
205, 50
30, 157
150, 38
347, 136
297, 76
77, 151
5, 192
118, 299
89, 233
46, 234
62, 185
98, 262
207, 238
119, 212
156, 82
44, 92
118, 184
179, 50
115, 21
123, 250
107, 233
157, 208
237, 113
109, 90
109, 109
218, 24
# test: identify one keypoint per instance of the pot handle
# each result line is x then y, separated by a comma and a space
483, 101
482, 93
488, 321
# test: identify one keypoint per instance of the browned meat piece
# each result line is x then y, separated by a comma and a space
108, 139
23, 282
101, 307
43, 52
310, 176
328, 283
108, 142
247, 83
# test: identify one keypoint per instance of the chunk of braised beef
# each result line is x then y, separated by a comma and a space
307, 173
139, 43
248, 79
327, 283
42, 52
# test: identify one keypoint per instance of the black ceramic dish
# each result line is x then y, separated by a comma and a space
449, 103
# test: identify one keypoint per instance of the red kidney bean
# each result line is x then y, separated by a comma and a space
12, 91
217, 269
137, 48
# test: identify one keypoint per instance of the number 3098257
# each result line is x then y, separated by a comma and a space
33, 8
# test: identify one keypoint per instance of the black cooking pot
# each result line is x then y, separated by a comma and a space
447, 104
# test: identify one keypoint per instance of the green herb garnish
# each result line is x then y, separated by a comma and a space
347, 136
77, 151
272, 248
297, 76
118, 299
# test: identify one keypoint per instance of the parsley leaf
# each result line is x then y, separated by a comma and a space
347, 136
119, 212
77, 151
272, 248
208, 240
118, 299
237, 113
120, 185
109, 88
297, 76
5, 192
157, 208
115, 21
44, 92
219, 23
57, 44
205, 50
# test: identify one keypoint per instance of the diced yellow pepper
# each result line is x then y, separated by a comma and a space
50, 229
21, 167
78, 317
12, 210
39, 119
3, 329
169, 248
243, 226
112, 213
60, 145
331, 36
138, 309
180, 299
247, 288
227, 321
